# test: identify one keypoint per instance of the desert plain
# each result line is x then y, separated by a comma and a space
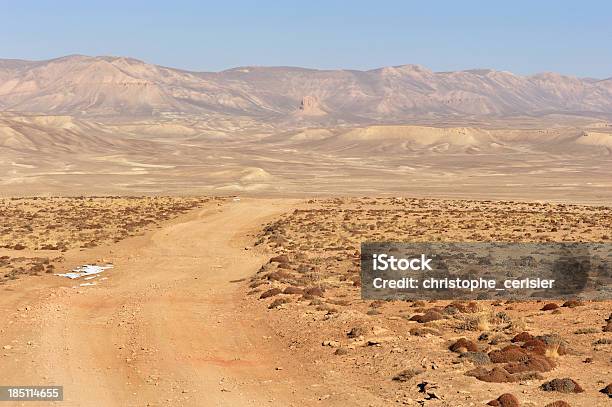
232, 207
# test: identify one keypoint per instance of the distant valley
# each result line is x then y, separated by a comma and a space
106, 125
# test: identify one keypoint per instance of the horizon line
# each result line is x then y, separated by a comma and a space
306, 68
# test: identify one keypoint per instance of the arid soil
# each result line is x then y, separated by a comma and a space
256, 302
35, 232
438, 352
525, 160
168, 326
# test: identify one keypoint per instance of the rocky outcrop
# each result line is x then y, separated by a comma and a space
310, 106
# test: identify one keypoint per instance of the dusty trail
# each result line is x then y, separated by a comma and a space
167, 328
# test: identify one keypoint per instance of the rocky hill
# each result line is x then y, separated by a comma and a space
112, 86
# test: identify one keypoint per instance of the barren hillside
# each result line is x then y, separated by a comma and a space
111, 86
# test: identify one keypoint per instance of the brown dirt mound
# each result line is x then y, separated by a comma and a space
270, 293
495, 375
565, 385
549, 307
505, 400
431, 315
534, 363
536, 346
510, 353
293, 290
280, 259
522, 337
464, 345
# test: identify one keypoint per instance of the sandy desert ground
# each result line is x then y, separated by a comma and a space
437, 353
513, 160
256, 302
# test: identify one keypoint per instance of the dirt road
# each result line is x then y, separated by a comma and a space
169, 326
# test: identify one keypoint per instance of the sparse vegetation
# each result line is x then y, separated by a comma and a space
317, 248
37, 231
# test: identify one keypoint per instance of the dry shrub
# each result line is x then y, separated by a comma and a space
518, 325
565, 385
476, 322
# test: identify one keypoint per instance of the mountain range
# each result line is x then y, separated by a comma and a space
125, 87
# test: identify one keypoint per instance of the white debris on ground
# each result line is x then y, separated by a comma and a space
86, 270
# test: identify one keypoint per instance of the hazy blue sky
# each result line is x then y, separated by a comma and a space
520, 36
